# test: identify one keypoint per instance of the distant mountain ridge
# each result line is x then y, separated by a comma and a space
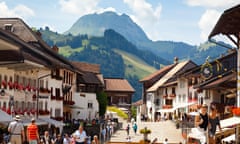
122, 48
96, 24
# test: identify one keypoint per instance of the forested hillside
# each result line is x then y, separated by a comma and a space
116, 56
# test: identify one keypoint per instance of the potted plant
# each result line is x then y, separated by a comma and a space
145, 133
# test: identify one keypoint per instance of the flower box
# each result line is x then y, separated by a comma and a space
236, 111
10, 85
4, 84
172, 95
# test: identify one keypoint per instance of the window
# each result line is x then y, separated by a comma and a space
184, 97
166, 91
207, 94
46, 103
90, 105
195, 95
182, 84
41, 105
173, 90
57, 112
157, 102
8, 27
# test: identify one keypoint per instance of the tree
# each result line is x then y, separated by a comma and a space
102, 101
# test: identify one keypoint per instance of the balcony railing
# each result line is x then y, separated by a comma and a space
167, 106
65, 102
173, 95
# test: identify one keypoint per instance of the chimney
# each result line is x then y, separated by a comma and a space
175, 60
55, 48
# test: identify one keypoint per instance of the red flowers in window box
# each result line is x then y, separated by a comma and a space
173, 95
15, 85
10, 85
236, 111
44, 112
20, 87
4, 84
28, 87
165, 96
167, 106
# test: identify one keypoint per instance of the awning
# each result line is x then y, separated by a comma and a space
4, 117
228, 23
217, 82
27, 121
53, 122
185, 105
166, 110
229, 122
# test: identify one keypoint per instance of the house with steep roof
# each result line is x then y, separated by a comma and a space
163, 95
215, 82
88, 84
35, 77
119, 92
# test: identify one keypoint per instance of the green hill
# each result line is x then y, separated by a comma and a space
134, 65
96, 24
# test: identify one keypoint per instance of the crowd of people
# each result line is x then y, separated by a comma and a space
17, 135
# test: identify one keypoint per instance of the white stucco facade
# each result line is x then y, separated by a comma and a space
86, 106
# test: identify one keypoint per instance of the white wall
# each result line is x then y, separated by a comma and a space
81, 110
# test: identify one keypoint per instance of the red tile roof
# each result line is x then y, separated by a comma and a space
87, 67
118, 85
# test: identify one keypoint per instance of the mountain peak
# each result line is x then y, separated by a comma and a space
95, 25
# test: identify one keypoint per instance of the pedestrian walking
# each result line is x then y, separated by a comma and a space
104, 134
16, 130
32, 132
80, 135
214, 121
135, 128
128, 129
201, 122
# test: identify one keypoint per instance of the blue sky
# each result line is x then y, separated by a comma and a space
188, 21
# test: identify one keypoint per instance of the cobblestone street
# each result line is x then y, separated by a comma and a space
160, 130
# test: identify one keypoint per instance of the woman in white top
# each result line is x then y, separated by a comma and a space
80, 135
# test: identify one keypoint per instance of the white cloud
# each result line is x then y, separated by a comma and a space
107, 9
207, 22
21, 11
146, 16
214, 9
79, 7
213, 3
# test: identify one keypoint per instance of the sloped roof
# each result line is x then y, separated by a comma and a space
157, 73
89, 78
25, 33
114, 84
167, 76
87, 67
25, 51
228, 23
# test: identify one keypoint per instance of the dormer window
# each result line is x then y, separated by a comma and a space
8, 27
